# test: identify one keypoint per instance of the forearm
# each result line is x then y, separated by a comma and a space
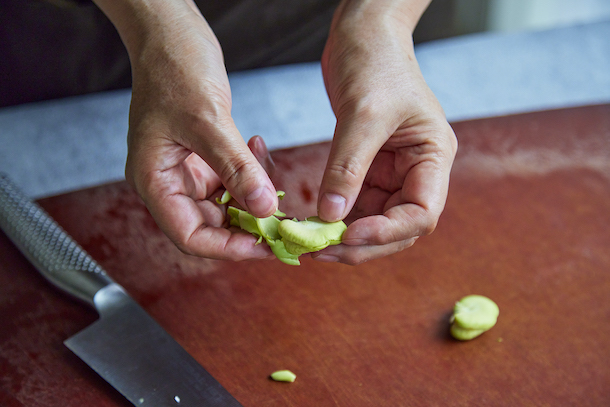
406, 12
139, 21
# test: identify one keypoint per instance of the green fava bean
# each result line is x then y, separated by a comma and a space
462, 334
310, 235
288, 239
279, 249
226, 197
476, 312
268, 227
295, 248
473, 315
244, 220
263, 228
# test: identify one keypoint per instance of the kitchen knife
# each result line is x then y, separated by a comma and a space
126, 346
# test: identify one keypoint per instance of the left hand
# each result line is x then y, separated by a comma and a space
388, 170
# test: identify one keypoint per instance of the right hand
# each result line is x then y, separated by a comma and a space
183, 144
388, 170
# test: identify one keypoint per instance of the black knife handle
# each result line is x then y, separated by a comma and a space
47, 246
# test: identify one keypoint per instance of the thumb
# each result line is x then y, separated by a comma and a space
239, 171
355, 144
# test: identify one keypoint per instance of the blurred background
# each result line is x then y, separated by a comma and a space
65, 75
448, 18
57, 48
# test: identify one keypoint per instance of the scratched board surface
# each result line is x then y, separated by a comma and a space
526, 224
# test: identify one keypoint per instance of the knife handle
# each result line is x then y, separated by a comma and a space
47, 246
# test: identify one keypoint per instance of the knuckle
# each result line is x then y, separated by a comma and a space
185, 250
431, 228
183, 245
348, 171
422, 223
361, 255
365, 254
448, 143
355, 255
381, 237
365, 108
453, 140
428, 226
239, 173
353, 259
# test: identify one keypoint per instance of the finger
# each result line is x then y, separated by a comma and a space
237, 167
222, 244
200, 180
259, 149
354, 146
418, 206
177, 198
354, 255
195, 227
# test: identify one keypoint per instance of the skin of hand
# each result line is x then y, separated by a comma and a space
183, 144
392, 151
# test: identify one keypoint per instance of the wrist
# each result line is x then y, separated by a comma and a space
402, 14
140, 22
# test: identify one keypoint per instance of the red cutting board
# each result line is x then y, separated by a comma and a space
526, 223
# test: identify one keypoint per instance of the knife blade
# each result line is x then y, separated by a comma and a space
125, 346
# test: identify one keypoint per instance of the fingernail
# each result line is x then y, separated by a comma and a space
269, 165
332, 207
260, 201
261, 146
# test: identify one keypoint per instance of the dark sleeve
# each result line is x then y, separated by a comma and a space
58, 48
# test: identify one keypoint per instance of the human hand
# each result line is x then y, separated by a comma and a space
183, 143
392, 152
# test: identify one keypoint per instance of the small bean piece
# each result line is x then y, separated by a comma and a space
283, 376
225, 198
